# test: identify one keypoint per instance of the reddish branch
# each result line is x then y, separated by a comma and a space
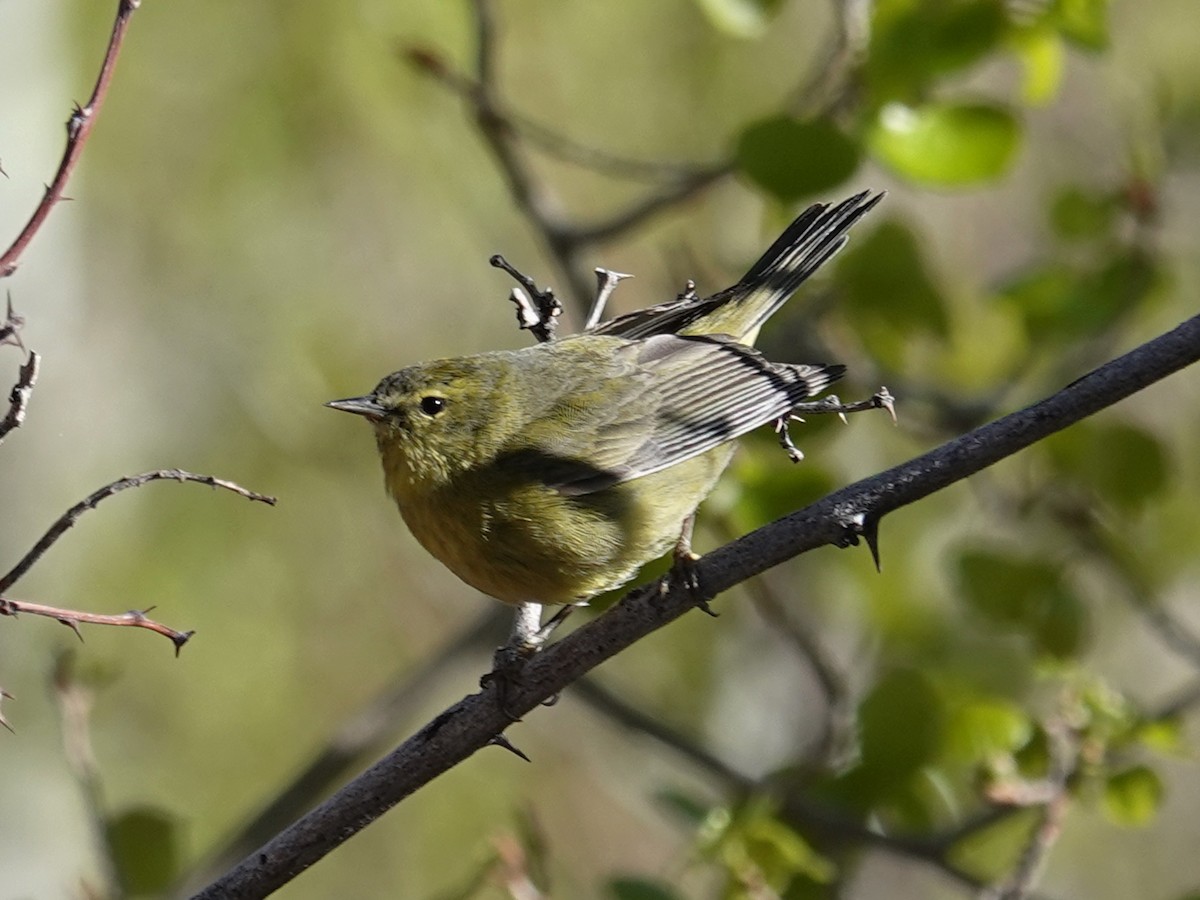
79, 126
135, 618
71, 516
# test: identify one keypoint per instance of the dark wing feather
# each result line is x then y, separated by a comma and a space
681, 397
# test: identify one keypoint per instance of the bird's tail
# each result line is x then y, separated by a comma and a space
812, 239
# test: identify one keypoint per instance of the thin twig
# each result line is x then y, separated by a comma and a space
75, 701
72, 618
71, 516
838, 519
79, 126
18, 398
1053, 795
502, 132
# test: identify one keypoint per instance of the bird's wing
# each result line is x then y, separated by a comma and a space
660, 401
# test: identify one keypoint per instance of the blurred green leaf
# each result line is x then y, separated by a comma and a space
630, 888
1083, 22
945, 144
686, 807
1123, 463
144, 844
989, 853
769, 485
1077, 214
887, 285
1043, 58
1028, 596
740, 18
1133, 797
791, 159
1060, 302
901, 724
1163, 735
979, 727
914, 42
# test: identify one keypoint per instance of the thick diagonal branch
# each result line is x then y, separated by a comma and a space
473, 722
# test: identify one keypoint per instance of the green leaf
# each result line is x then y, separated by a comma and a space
1043, 59
144, 846
740, 18
791, 159
980, 727
914, 43
684, 806
1076, 214
1123, 463
901, 726
945, 144
1061, 302
1163, 735
1083, 22
1027, 596
630, 888
888, 286
761, 844
1133, 797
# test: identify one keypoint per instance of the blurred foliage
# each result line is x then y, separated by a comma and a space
276, 210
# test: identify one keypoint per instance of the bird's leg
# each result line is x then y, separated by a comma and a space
684, 570
508, 661
526, 638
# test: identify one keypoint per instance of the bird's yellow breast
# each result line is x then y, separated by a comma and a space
521, 542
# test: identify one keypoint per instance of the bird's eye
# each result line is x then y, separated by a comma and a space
431, 406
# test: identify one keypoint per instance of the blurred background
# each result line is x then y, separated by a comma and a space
281, 203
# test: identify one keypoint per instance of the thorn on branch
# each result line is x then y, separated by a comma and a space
10, 328
500, 740
857, 525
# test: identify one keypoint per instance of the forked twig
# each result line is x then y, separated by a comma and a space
71, 516
79, 126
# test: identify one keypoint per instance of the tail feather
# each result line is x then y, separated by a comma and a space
808, 243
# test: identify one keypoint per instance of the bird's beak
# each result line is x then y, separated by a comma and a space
360, 406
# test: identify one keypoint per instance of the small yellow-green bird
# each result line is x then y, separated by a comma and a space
553, 473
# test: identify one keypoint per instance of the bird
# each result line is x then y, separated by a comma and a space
553, 473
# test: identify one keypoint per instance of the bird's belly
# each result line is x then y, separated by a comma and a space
534, 544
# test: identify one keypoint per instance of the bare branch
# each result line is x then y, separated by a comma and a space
135, 618
838, 519
79, 126
18, 398
1053, 795
71, 516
